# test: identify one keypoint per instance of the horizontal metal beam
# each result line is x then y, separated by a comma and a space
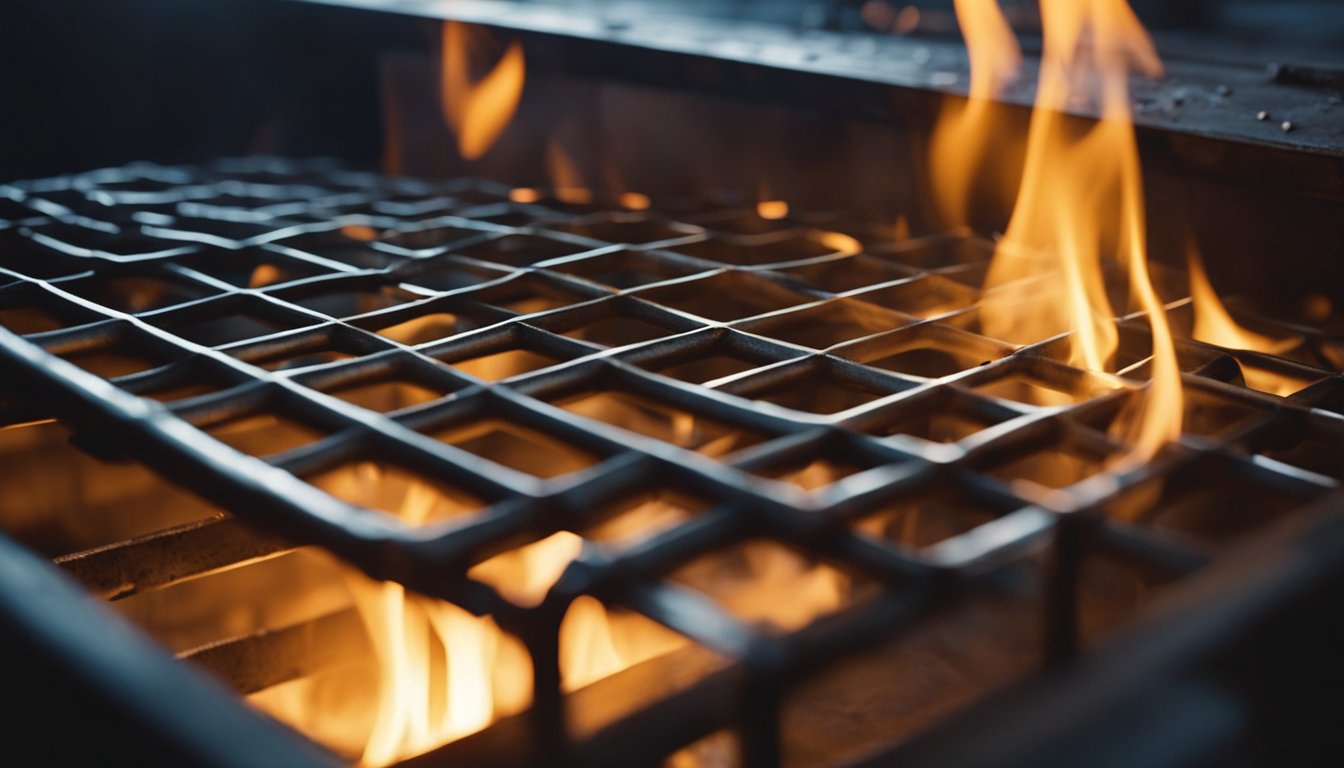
257, 661
1195, 97
166, 557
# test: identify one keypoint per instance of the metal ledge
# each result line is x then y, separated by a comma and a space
1197, 97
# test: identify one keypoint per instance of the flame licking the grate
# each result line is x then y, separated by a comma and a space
1080, 203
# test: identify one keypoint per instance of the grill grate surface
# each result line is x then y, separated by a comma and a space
805, 381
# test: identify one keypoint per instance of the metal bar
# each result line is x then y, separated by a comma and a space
262, 659
167, 557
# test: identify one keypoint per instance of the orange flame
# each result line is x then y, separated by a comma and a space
965, 130
1081, 196
478, 111
1214, 324
566, 181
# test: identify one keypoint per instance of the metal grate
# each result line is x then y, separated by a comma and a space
805, 381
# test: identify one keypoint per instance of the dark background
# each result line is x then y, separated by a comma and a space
91, 83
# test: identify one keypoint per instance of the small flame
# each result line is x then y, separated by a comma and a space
635, 201
1081, 197
524, 195
566, 181
772, 209
478, 111
1213, 323
965, 130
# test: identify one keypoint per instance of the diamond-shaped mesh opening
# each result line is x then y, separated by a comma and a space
922, 297
827, 325
134, 293
201, 229
758, 251
391, 394
1209, 413
662, 421
1318, 448
126, 242
305, 349
846, 274
25, 257
265, 433
424, 328
715, 361
1280, 380
437, 235
628, 228
250, 268
928, 515
1056, 463
771, 586
527, 295
724, 296
29, 314
948, 417
444, 274
1213, 503
1029, 388
640, 516
345, 299
614, 325
226, 325
626, 268
816, 460
408, 496
816, 389
514, 359
350, 244
520, 250
937, 253
518, 447
927, 350
118, 359
812, 474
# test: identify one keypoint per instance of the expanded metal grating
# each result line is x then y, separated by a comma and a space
805, 381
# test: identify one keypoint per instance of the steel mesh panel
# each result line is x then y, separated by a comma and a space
807, 384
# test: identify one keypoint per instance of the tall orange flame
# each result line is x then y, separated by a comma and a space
478, 111
1081, 197
965, 130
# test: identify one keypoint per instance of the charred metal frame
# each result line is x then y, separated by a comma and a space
64, 237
